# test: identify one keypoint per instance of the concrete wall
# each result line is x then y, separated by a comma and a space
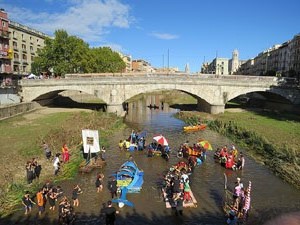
9, 96
13, 110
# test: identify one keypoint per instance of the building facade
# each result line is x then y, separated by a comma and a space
279, 60
218, 66
25, 43
295, 55
5, 51
128, 62
234, 63
140, 65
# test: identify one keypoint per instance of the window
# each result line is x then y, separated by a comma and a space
3, 24
16, 68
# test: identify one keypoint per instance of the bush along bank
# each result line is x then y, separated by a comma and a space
283, 161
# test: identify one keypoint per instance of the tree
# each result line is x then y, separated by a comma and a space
70, 54
106, 61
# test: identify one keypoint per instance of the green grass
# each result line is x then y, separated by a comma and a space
268, 137
278, 130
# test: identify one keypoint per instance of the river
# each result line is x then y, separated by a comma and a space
270, 195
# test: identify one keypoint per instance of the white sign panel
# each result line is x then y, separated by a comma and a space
90, 140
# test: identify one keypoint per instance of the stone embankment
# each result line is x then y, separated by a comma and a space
17, 109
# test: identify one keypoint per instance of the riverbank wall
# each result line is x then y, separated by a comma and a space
17, 109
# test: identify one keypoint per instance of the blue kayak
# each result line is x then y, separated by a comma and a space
130, 180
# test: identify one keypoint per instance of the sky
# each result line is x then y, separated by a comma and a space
166, 33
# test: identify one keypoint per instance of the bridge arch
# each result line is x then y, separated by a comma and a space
266, 92
144, 90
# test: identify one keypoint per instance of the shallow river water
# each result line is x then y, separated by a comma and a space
270, 195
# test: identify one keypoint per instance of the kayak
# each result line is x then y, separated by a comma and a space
195, 128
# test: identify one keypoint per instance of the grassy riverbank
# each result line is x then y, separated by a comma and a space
270, 138
21, 139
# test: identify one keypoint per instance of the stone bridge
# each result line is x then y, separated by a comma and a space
211, 91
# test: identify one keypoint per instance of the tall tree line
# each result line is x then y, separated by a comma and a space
69, 54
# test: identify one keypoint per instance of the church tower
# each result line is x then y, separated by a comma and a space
234, 61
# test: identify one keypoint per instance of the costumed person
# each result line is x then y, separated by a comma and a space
237, 192
65, 153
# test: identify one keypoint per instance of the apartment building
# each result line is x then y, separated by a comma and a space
5, 51
279, 60
140, 65
25, 42
295, 55
218, 66
128, 62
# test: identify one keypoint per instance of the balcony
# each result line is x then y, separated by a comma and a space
4, 34
16, 60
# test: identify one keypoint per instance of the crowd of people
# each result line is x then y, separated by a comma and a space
230, 158
240, 205
185, 150
176, 182
33, 170
176, 186
136, 141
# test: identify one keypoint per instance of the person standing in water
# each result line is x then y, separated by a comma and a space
99, 182
110, 214
76, 191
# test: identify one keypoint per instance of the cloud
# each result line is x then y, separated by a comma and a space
87, 19
113, 46
164, 36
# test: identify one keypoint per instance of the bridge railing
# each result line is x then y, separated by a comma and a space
165, 74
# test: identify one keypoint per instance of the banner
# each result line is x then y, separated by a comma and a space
90, 139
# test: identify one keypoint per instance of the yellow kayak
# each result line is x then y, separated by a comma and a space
195, 128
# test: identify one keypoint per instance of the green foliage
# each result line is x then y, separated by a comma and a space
104, 60
70, 54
